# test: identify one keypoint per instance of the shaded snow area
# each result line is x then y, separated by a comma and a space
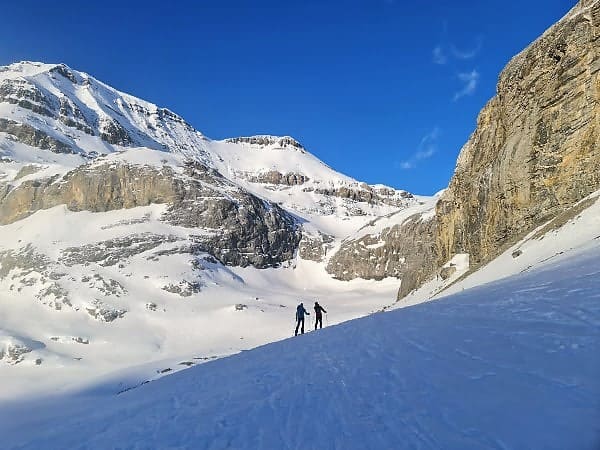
511, 364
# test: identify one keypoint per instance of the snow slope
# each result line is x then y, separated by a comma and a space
511, 364
236, 308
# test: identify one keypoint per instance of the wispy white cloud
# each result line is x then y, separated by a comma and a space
439, 55
469, 53
470, 81
446, 51
427, 148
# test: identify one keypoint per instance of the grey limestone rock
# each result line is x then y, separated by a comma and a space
105, 313
367, 194
13, 353
113, 132
395, 252
282, 142
26, 95
184, 288
111, 252
277, 178
32, 136
315, 247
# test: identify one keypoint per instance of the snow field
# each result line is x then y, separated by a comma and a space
512, 364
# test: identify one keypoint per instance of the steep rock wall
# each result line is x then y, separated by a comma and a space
405, 251
536, 149
237, 227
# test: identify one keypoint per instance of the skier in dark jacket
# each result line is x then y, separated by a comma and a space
318, 316
300, 312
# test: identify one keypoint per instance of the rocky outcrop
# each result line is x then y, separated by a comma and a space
113, 132
26, 95
111, 252
63, 70
240, 229
71, 116
367, 194
26, 267
13, 352
105, 313
25, 261
32, 136
184, 288
536, 149
263, 141
90, 187
275, 177
403, 251
245, 229
315, 247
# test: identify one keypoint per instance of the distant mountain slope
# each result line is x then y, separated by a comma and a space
53, 103
511, 364
55, 108
117, 215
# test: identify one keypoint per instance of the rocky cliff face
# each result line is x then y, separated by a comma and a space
403, 250
264, 140
238, 228
26, 134
536, 149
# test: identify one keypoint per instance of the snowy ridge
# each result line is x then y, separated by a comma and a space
90, 118
92, 108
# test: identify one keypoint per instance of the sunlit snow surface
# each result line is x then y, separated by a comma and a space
511, 364
157, 330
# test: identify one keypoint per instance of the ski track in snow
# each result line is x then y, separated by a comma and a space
512, 364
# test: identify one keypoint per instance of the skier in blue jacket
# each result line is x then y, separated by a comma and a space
300, 312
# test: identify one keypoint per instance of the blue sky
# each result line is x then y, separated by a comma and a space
386, 91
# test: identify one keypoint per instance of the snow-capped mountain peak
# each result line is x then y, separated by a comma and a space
72, 112
115, 211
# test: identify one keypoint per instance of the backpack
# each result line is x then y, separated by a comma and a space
299, 312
